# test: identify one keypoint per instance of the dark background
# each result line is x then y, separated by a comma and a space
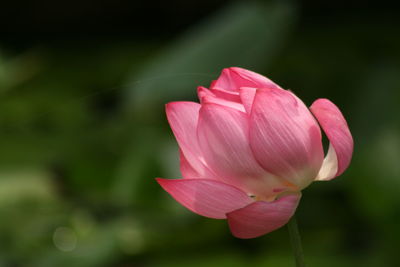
83, 132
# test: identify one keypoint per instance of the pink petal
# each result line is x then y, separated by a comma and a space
341, 142
247, 95
260, 218
231, 79
222, 133
186, 169
223, 137
208, 198
183, 117
206, 96
227, 95
285, 137
212, 84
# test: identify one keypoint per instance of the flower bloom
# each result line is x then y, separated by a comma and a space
249, 148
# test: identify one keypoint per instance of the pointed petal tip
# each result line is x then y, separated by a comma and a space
163, 182
202, 92
233, 78
247, 95
160, 180
234, 69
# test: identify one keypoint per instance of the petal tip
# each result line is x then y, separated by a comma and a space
335, 126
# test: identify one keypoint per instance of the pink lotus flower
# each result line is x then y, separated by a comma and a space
249, 148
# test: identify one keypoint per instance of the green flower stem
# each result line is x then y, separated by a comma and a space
296, 242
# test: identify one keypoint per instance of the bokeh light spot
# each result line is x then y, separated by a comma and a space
65, 239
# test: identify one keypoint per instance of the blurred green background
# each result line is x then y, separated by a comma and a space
83, 131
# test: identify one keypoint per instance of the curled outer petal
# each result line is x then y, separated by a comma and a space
341, 142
